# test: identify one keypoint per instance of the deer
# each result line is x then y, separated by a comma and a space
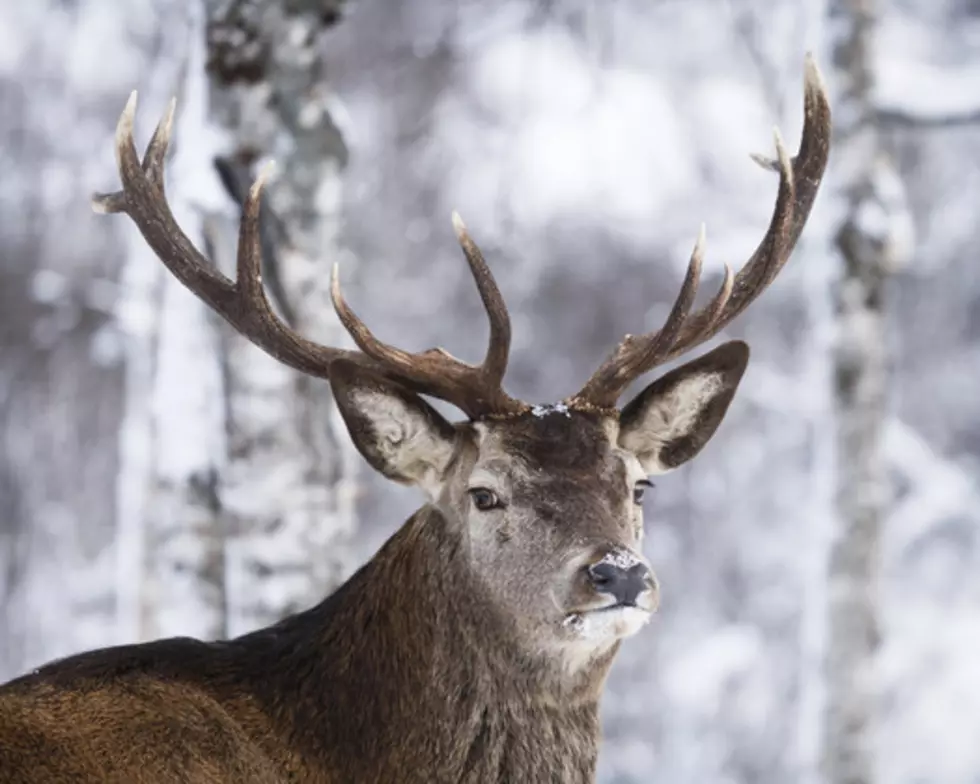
475, 645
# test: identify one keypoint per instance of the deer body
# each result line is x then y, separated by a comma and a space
475, 645
404, 697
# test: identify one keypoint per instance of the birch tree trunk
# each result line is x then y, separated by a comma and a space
61, 357
865, 242
171, 543
249, 500
286, 488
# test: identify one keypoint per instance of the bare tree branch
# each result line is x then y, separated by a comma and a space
923, 95
908, 117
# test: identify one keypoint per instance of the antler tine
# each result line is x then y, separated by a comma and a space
633, 354
153, 158
475, 389
242, 303
717, 306
799, 179
248, 278
143, 201
498, 350
363, 337
156, 149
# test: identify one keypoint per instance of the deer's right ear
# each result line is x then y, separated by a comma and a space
674, 417
398, 433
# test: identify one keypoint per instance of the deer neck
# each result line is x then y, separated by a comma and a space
405, 666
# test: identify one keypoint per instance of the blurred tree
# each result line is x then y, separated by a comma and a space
875, 239
61, 370
171, 541
158, 475
286, 489
866, 241
250, 494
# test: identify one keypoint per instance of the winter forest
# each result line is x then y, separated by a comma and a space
819, 562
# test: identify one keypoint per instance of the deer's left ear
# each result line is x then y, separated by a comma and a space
398, 433
672, 419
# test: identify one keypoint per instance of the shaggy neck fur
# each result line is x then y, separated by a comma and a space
404, 676
401, 676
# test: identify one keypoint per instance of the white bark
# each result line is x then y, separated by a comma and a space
173, 436
287, 487
235, 496
872, 240
61, 379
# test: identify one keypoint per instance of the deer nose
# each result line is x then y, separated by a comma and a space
624, 580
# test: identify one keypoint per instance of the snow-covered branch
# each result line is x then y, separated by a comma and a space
924, 95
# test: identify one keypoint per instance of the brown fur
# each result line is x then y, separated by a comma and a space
402, 675
372, 685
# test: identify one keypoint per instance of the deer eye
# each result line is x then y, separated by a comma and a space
639, 489
484, 499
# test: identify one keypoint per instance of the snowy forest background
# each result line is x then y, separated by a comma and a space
820, 561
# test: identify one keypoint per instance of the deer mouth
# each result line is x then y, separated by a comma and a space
620, 606
614, 621
646, 602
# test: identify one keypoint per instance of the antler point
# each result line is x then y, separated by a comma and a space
124, 128
458, 226
98, 204
764, 161
812, 77
782, 156
168, 118
260, 180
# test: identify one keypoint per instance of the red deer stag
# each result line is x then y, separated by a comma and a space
473, 647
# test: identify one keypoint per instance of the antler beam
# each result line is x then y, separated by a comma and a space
799, 179
476, 390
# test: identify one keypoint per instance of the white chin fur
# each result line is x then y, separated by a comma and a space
607, 625
592, 634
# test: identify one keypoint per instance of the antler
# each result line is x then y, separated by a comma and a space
799, 179
476, 390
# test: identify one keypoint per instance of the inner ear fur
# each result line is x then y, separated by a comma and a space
671, 420
396, 431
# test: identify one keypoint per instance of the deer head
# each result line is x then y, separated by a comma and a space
546, 499
474, 645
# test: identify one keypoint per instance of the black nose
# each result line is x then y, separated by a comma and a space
624, 584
